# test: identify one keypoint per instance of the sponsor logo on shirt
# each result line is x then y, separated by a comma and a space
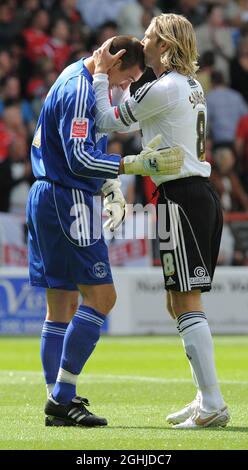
79, 128
199, 271
201, 277
199, 281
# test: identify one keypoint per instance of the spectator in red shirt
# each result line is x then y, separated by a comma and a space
36, 36
5, 140
57, 47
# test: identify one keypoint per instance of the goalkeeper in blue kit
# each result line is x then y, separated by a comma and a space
66, 257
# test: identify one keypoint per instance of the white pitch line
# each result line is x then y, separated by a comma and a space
172, 340
25, 375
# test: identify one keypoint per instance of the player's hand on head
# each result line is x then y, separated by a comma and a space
103, 59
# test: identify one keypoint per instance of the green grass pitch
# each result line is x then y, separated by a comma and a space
133, 382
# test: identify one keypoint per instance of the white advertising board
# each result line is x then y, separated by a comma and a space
140, 307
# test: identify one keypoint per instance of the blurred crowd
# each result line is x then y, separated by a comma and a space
38, 38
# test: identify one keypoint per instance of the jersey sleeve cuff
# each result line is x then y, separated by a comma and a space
102, 77
117, 160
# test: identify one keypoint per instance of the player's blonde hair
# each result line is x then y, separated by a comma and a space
179, 34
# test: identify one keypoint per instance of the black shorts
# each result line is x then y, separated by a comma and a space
189, 227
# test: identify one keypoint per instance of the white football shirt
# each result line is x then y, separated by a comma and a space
173, 106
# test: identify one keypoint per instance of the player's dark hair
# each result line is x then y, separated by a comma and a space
134, 54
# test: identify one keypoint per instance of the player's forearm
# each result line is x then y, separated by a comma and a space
106, 119
93, 164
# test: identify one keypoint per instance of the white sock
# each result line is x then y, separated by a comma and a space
198, 345
198, 393
49, 388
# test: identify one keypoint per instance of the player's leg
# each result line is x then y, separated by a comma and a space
169, 304
198, 344
82, 336
188, 269
68, 259
180, 416
47, 265
186, 412
61, 306
80, 340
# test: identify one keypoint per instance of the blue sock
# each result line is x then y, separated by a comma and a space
80, 340
52, 338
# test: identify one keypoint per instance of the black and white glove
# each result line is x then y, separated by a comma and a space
152, 162
114, 204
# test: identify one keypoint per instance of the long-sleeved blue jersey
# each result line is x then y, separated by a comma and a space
66, 148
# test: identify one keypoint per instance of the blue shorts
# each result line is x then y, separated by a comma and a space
65, 242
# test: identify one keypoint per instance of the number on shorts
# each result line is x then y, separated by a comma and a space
168, 264
201, 137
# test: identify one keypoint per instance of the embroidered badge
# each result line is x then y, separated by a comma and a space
79, 128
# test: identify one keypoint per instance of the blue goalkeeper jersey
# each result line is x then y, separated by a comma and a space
66, 148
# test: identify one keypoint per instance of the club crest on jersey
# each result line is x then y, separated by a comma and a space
79, 128
100, 270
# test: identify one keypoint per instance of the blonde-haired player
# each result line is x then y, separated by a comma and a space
174, 105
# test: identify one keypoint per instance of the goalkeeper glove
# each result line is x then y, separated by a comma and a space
151, 162
114, 204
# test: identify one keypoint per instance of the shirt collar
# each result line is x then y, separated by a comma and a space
165, 73
86, 72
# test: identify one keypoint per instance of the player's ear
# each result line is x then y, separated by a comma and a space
118, 64
163, 46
